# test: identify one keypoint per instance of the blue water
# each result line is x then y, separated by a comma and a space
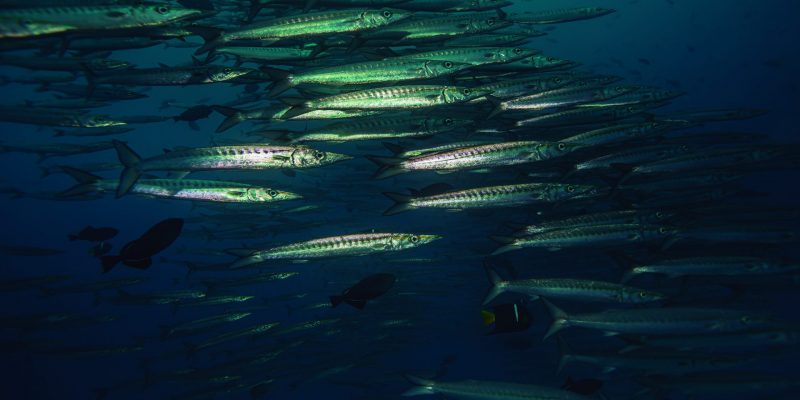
721, 53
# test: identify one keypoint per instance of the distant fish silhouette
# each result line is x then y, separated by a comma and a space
136, 254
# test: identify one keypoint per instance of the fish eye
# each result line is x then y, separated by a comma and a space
630, 109
662, 230
562, 146
570, 188
162, 9
745, 319
642, 294
227, 70
517, 50
319, 155
490, 21
659, 214
272, 192
467, 92
551, 59
414, 238
448, 121
448, 64
387, 14
557, 80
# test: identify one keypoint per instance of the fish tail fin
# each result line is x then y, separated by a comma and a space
496, 289
233, 117
336, 300
487, 317
85, 183
130, 160
282, 80
402, 203
422, 386
108, 262
507, 242
498, 106
387, 166
560, 318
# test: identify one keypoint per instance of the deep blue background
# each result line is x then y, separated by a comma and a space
722, 53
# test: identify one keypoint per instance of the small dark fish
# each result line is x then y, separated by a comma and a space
100, 249
368, 288
92, 234
136, 254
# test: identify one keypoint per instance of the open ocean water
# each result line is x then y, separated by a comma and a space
711, 199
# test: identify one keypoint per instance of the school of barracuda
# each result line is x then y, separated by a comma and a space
546, 177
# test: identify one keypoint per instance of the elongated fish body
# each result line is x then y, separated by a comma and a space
584, 115
19, 28
621, 133
171, 76
199, 190
564, 97
641, 96
102, 17
267, 53
387, 127
707, 160
623, 217
453, 5
249, 157
437, 149
589, 236
674, 363
371, 72
55, 117
228, 336
555, 16
313, 24
473, 55
487, 156
519, 87
397, 98
488, 390
570, 289
496, 196
508, 39
254, 157
662, 321
534, 63
635, 156
761, 338
420, 30
335, 246
202, 324
712, 266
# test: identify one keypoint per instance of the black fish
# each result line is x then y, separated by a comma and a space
137, 253
367, 289
93, 234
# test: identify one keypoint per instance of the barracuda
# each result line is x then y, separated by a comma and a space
623, 132
249, 157
268, 53
560, 98
184, 189
483, 156
555, 16
17, 28
624, 217
493, 196
421, 30
713, 266
664, 321
520, 87
386, 127
369, 73
335, 246
473, 389
310, 24
570, 289
474, 55
103, 17
594, 235
389, 98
